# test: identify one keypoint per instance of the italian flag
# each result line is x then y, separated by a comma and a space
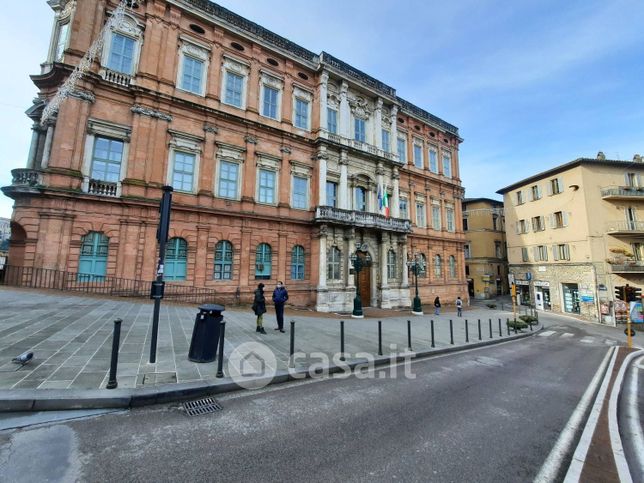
385, 203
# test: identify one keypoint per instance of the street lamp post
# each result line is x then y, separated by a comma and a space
416, 265
358, 265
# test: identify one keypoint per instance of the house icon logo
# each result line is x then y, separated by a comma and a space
252, 365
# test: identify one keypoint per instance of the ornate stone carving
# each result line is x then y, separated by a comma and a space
130, 27
146, 111
360, 107
250, 139
333, 96
83, 95
271, 81
301, 93
285, 150
69, 8
386, 117
195, 50
234, 65
209, 128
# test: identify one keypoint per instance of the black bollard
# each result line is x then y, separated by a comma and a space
380, 337
515, 327
220, 360
292, 348
490, 323
530, 325
479, 329
451, 332
342, 340
111, 383
467, 332
500, 329
432, 326
409, 335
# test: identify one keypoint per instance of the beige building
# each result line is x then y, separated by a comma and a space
486, 262
574, 233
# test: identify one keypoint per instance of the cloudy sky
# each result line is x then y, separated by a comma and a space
530, 83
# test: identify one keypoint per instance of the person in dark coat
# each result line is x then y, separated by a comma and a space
259, 307
437, 306
280, 296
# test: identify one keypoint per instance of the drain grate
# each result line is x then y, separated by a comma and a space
201, 406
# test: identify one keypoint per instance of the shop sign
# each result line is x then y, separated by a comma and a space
522, 282
587, 298
538, 283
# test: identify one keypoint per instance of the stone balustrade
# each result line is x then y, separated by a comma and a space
329, 214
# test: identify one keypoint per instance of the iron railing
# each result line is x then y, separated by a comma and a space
44, 278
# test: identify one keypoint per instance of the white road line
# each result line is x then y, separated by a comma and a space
567, 334
547, 333
633, 417
587, 340
609, 342
613, 427
550, 468
578, 459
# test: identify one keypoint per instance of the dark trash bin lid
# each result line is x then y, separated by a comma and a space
211, 308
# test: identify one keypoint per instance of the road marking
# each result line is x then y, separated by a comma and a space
609, 342
587, 340
547, 333
567, 334
613, 427
633, 417
579, 458
551, 467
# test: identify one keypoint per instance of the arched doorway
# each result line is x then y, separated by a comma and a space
364, 280
17, 245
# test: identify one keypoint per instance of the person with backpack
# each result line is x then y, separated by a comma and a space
259, 307
280, 296
437, 306
459, 307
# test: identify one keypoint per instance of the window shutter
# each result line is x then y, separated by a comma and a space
555, 252
564, 216
535, 253
551, 221
545, 253
530, 194
626, 180
543, 223
538, 191
549, 187
567, 251
534, 224
517, 228
559, 185
638, 181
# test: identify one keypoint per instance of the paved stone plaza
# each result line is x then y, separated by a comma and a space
71, 337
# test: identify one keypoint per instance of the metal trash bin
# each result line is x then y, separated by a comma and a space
205, 335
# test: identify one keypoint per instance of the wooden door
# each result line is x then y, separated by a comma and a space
364, 281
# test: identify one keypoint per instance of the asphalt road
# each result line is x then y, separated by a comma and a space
491, 414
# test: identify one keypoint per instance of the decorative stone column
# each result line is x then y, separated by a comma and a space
322, 234
395, 199
377, 125
380, 176
345, 111
322, 167
385, 303
47, 149
323, 92
349, 248
393, 143
33, 147
405, 272
343, 194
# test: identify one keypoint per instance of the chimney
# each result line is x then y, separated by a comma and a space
601, 156
637, 158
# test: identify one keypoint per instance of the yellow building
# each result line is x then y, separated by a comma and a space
573, 234
486, 263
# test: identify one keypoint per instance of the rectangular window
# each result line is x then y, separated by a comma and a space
331, 194
271, 101
385, 141
234, 89
183, 171
559, 219
391, 264
359, 133
555, 186
361, 199
121, 54
638, 251
466, 251
538, 223
449, 216
418, 155
433, 161
300, 192
447, 165
524, 254
436, 217
519, 197
540, 253
61, 42
535, 192
192, 74
420, 215
266, 186
301, 113
228, 179
561, 252
402, 150
465, 224
332, 120
404, 213
106, 159
632, 180
497, 249
495, 220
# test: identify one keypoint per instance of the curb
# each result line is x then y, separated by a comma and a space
62, 399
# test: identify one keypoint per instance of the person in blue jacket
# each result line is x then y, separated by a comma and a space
280, 296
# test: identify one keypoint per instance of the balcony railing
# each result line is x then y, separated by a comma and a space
352, 143
116, 77
625, 227
101, 188
618, 192
329, 214
26, 177
636, 266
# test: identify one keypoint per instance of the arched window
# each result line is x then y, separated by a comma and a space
176, 259
297, 263
438, 269
333, 264
391, 264
92, 264
263, 262
452, 266
223, 260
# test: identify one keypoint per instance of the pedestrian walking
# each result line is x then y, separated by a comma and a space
459, 307
437, 306
259, 307
280, 296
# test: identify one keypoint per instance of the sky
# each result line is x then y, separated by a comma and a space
531, 84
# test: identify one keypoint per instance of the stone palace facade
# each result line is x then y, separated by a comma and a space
283, 163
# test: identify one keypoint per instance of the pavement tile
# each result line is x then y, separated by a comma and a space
65, 374
55, 384
88, 380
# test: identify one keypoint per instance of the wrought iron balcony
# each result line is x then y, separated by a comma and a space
625, 228
329, 214
26, 177
631, 266
622, 192
352, 143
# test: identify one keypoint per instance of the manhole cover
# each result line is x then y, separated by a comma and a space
201, 406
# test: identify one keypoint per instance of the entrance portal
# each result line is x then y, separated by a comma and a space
364, 281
